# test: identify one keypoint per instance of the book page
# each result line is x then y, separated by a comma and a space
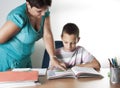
52, 74
85, 71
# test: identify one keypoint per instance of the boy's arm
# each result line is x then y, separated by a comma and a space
94, 64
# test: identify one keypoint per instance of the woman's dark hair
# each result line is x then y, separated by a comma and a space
39, 3
70, 28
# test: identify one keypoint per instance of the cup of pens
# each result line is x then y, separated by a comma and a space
115, 75
114, 71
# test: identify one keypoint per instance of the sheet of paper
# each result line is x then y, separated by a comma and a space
18, 84
21, 69
41, 71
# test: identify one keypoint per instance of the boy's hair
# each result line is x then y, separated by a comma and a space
39, 3
70, 28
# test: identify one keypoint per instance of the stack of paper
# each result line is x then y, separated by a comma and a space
41, 71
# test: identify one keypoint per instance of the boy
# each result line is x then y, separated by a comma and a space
72, 55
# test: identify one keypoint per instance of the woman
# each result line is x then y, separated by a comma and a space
24, 26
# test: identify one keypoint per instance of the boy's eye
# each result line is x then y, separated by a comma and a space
39, 11
65, 42
70, 43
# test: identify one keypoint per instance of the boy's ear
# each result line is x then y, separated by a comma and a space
78, 39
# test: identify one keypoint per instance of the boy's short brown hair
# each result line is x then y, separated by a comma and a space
70, 28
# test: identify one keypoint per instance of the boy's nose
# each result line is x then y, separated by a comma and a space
69, 46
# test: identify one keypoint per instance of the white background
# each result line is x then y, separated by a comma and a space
98, 21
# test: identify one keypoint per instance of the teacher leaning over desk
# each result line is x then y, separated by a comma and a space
25, 25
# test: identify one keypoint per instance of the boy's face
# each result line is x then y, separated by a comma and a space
69, 42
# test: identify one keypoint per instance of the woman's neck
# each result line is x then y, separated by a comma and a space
35, 22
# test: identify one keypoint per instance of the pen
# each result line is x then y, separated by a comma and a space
111, 65
115, 61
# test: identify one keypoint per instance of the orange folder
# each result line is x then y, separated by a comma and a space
13, 76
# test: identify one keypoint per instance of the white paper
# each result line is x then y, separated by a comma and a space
21, 69
41, 71
18, 84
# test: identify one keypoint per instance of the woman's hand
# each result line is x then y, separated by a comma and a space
54, 63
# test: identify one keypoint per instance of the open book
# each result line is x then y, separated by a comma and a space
74, 72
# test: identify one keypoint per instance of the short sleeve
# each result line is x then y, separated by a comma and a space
17, 19
86, 56
47, 13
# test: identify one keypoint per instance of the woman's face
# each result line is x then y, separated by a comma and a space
36, 12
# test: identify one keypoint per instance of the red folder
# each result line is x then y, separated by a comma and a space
13, 76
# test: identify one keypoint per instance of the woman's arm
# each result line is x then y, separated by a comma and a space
8, 30
49, 44
94, 64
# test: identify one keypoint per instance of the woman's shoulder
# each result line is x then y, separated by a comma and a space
18, 15
20, 10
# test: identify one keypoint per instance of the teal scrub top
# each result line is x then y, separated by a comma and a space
15, 53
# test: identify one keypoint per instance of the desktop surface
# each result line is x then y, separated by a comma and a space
79, 83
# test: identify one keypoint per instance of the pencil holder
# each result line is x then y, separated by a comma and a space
114, 75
